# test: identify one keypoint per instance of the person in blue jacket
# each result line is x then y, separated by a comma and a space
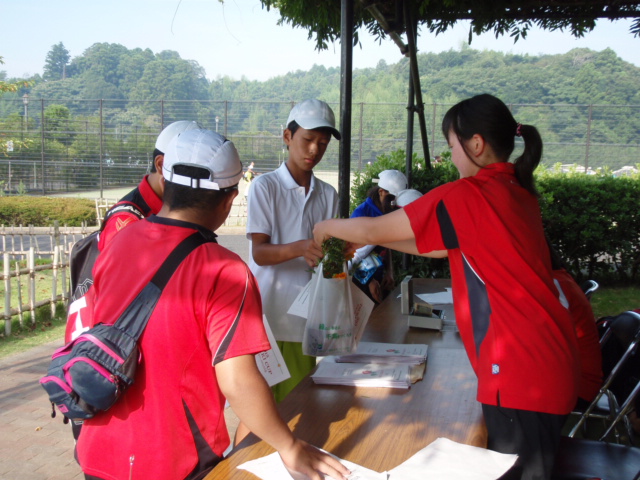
371, 264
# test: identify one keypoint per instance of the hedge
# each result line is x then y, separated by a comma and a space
592, 220
43, 211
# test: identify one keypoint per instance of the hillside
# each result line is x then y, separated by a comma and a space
111, 71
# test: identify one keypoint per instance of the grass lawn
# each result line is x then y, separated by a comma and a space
614, 300
46, 327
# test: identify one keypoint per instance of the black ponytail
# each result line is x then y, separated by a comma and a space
489, 117
527, 162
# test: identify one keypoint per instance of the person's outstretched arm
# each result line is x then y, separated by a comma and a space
252, 400
392, 230
266, 253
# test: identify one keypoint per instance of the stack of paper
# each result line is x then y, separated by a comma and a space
370, 352
271, 467
445, 459
439, 298
361, 375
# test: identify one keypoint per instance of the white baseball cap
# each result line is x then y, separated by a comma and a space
171, 130
312, 114
392, 181
405, 197
207, 150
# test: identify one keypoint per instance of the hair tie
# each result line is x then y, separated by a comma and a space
519, 130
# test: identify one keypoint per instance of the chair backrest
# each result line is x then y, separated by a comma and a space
578, 458
589, 287
619, 360
621, 365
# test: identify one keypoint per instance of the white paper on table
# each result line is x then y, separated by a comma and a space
361, 375
272, 468
362, 307
271, 363
375, 352
445, 459
439, 298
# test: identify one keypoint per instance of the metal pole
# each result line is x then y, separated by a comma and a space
361, 129
411, 24
433, 129
411, 108
101, 150
42, 143
586, 156
226, 118
346, 71
406, 259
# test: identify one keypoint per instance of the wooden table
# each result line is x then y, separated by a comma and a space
379, 428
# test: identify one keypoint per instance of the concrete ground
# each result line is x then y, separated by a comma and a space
34, 446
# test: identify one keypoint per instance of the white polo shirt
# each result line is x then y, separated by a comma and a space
278, 207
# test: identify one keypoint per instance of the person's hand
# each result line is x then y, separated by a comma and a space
350, 249
388, 281
374, 289
304, 461
320, 233
312, 252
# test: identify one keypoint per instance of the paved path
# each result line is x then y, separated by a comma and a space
34, 446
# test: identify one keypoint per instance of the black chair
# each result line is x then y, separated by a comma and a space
620, 340
588, 287
582, 459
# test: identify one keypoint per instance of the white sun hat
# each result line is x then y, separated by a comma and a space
171, 130
312, 114
207, 150
393, 181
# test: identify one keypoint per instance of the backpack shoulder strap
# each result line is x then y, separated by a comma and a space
134, 319
122, 206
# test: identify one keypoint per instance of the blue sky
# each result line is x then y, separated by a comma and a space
236, 38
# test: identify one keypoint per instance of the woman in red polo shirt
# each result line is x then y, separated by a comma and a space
518, 336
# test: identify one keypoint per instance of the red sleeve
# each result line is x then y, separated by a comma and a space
234, 324
584, 323
423, 216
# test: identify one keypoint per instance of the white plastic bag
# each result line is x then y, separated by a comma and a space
330, 328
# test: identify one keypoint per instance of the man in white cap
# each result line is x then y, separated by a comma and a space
283, 207
199, 344
146, 198
141, 202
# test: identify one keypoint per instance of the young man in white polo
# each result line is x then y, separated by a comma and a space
283, 207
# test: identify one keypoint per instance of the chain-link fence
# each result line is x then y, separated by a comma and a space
57, 146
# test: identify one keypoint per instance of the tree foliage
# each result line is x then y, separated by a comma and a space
56, 62
504, 17
144, 88
11, 86
9, 142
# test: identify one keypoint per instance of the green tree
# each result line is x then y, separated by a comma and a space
102, 60
322, 18
171, 80
8, 142
57, 119
56, 62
